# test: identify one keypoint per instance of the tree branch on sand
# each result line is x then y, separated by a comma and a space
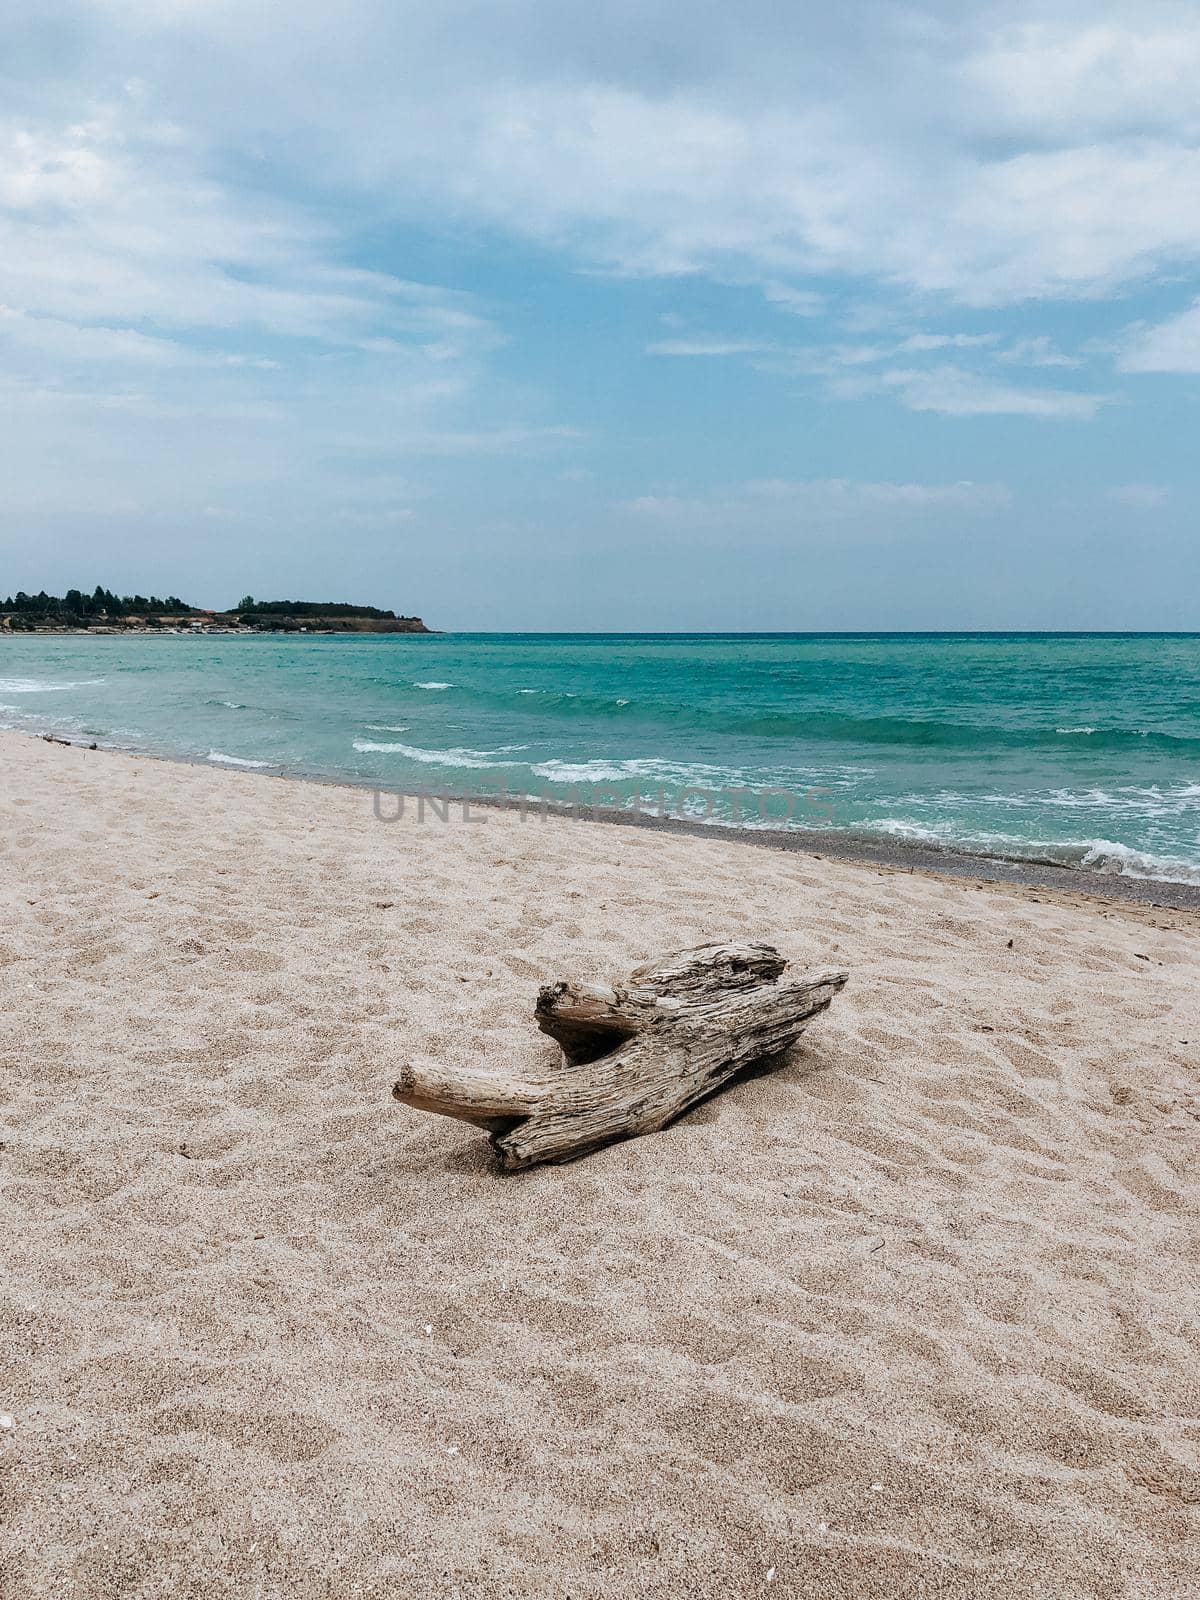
635, 1056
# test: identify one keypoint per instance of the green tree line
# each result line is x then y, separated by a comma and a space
101, 602
248, 606
79, 605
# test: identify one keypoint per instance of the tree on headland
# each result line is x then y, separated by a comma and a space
308, 608
77, 607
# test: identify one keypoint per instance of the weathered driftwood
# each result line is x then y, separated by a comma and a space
636, 1055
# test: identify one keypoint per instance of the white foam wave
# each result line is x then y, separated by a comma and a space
440, 758
43, 685
1094, 855
1136, 800
945, 834
583, 771
1141, 801
608, 770
42, 720
1074, 730
386, 727
234, 761
434, 685
1122, 860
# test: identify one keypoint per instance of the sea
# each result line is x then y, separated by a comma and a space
1078, 749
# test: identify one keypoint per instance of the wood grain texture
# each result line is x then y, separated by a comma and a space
635, 1055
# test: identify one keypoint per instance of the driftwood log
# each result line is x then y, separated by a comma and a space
635, 1056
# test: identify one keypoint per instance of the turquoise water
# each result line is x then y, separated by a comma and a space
1077, 748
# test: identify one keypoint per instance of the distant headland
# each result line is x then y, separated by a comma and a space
101, 611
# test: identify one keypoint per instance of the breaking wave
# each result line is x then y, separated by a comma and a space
43, 685
220, 757
441, 758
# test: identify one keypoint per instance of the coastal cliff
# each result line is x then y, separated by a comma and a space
253, 622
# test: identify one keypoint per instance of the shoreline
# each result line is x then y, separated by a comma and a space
855, 849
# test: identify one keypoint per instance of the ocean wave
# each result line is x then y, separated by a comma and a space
433, 685
944, 835
610, 770
1091, 855
43, 720
386, 727
600, 770
965, 736
43, 685
582, 771
1142, 800
569, 705
1132, 800
235, 761
441, 758
1124, 861
725, 716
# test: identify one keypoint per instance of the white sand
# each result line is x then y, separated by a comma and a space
916, 1316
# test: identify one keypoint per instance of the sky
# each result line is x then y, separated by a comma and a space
552, 315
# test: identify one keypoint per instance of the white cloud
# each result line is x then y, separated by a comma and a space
207, 345
951, 152
952, 390
955, 392
922, 343
1170, 346
832, 360
1078, 221
797, 302
771, 500
1038, 351
1140, 496
106, 221
683, 185
486, 441
70, 343
1058, 78
705, 347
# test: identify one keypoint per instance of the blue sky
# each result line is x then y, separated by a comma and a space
657, 315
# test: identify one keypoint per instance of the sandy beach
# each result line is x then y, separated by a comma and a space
914, 1316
